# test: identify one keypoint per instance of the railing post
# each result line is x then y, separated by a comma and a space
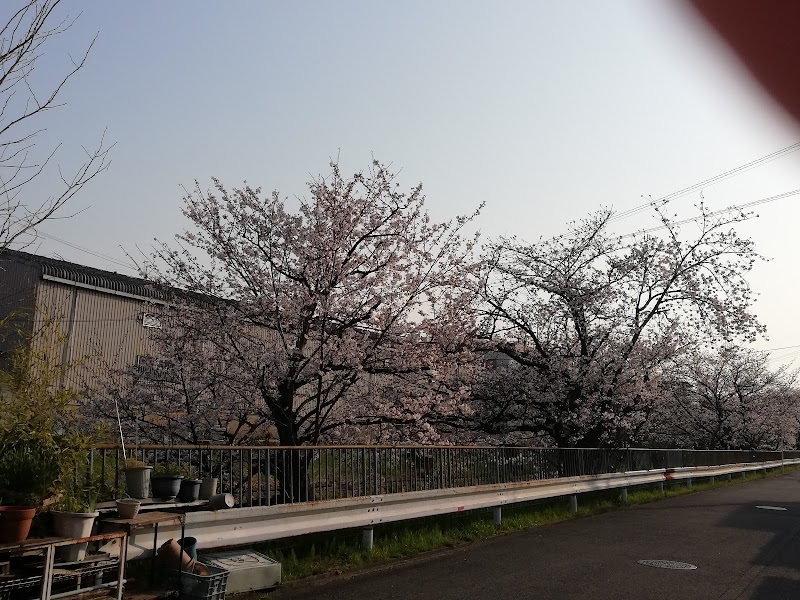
689, 483
375, 470
712, 480
623, 495
573, 503
661, 486
498, 516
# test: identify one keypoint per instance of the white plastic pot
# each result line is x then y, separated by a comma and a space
137, 481
208, 488
128, 508
221, 501
75, 526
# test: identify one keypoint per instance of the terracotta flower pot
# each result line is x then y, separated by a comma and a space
172, 556
15, 523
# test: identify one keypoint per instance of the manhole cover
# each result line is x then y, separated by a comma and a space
771, 507
667, 564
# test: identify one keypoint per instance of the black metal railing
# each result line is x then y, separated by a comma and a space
266, 475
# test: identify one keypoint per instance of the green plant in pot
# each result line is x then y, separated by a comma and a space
137, 478
166, 481
73, 517
43, 436
27, 475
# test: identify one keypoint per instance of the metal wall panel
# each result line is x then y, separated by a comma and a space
94, 332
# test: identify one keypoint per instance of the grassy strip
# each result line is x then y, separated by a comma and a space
338, 552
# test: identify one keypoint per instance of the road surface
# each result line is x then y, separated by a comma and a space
740, 551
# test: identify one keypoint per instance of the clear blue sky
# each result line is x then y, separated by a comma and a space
544, 110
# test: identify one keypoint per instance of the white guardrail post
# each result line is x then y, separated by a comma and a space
573, 503
367, 538
498, 516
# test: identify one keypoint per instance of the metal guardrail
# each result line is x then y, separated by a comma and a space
270, 475
240, 526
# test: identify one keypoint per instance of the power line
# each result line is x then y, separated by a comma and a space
709, 182
87, 251
787, 358
781, 348
717, 213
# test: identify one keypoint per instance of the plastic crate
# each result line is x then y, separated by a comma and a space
202, 587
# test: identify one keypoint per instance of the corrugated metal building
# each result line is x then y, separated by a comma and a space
96, 322
97, 318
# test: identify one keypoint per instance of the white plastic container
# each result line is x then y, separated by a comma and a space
208, 488
248, 570
221, 501
76, 526
137, 481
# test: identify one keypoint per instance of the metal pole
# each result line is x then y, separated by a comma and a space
689, 482
367, 539
712, 480
573, 503
498, 516
623, 495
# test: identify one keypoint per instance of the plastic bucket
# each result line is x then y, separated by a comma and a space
190, 490
208, 488
221, 501
137, 481
189, 545
76, 526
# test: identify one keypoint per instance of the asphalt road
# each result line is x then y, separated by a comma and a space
740, 552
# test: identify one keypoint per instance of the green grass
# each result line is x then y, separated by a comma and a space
338, 552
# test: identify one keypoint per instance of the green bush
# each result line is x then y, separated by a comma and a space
43, 437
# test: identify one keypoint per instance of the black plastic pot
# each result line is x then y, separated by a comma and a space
165, 487
190, 490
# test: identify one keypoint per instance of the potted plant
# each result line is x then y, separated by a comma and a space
43, 435
74, 517
190, 490
166, 481
137, 479
26, 476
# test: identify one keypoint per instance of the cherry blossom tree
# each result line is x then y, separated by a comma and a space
589, 320
352, 311
729, 399
179, 395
